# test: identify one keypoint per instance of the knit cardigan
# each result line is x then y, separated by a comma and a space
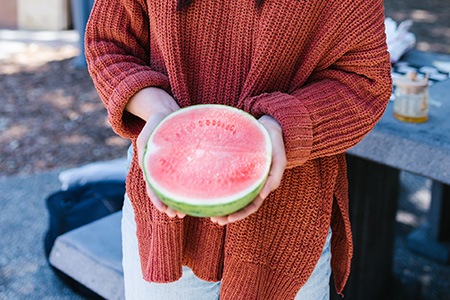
319, 67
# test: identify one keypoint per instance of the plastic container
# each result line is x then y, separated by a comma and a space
411, 98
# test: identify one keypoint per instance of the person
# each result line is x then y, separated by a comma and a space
316, 74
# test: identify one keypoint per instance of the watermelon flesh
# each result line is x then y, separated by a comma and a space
208, 160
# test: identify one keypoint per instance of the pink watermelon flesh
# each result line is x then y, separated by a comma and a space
207, 155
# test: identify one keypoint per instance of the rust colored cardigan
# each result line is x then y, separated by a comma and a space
320, 68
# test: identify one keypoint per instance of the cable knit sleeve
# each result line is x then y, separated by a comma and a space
117, 52
345, 94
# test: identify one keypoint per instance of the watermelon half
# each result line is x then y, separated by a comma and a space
207, 160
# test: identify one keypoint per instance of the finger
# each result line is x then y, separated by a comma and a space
180, 214
275, 174
160, 206
220, 219
239, 215
155, 200
141, 141
246, 211
171, 212
276, 171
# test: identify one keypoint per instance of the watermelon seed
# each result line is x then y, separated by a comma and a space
190, 127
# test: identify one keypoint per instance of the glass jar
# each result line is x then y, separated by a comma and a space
411, 98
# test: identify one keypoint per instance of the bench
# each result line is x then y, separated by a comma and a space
92, 255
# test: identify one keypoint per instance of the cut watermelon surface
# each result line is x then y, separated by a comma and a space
208, 160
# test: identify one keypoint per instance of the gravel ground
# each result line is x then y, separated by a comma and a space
431, 21
51, 115
24, 271
421, 278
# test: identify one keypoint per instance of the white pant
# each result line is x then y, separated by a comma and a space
189, 287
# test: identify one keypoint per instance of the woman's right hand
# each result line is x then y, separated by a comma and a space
152, 105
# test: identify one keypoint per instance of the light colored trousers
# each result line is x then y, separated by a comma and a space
189, 287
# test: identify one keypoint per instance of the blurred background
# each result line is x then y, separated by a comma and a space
51, 119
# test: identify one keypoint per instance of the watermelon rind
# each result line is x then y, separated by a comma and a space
218, 206
205, 210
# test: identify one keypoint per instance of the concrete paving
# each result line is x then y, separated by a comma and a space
24, 271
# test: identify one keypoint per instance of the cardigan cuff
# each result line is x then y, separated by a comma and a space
294, 119
124, 123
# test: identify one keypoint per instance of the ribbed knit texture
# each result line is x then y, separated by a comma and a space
320, 68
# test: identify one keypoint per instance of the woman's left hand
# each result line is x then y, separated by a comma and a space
275, 174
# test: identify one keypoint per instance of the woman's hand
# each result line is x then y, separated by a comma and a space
275, 174
152, 105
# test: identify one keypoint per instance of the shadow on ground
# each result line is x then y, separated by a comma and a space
431, 22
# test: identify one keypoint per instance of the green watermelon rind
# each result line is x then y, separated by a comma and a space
223, 206
213, 210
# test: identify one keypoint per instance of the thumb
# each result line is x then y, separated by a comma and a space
145, 134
